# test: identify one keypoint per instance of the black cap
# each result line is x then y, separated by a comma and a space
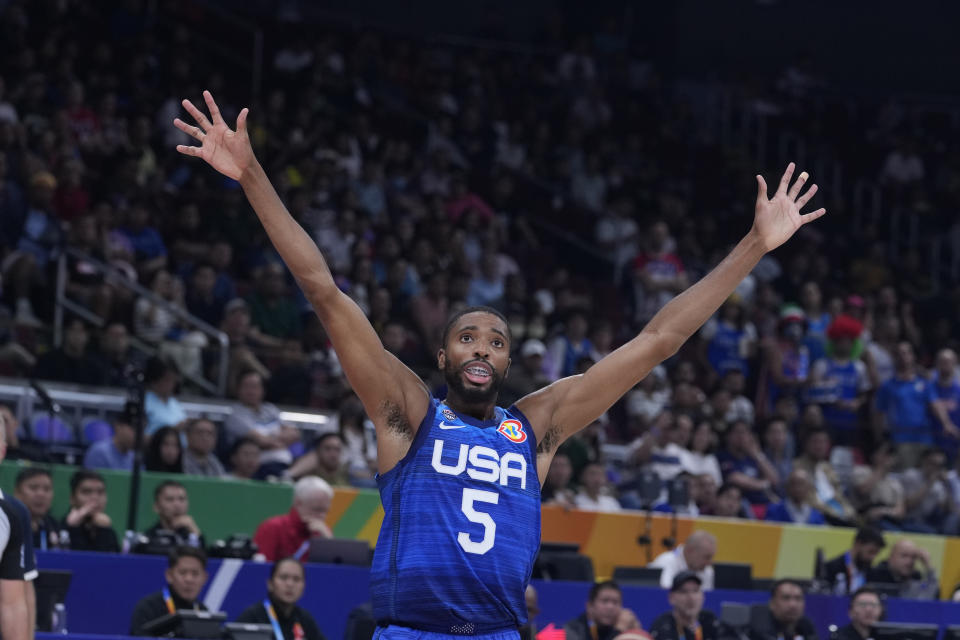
683, 578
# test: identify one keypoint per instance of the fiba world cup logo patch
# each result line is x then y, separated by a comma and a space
449, 415
512, 430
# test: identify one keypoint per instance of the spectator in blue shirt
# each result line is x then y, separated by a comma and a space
115, 452
901, 407
148, 246
160, 405
943, 394
796, 507
744, 465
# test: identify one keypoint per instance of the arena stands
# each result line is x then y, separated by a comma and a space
574, 183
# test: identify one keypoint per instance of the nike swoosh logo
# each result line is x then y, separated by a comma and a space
444, 425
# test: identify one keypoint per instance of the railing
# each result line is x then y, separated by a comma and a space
78, 403
117, 279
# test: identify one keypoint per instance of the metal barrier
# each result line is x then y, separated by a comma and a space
115, 278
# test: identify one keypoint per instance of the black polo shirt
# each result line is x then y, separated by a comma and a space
665, 627
153, 606
257, 614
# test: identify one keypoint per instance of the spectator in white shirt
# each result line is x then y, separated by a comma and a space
662, 447
594, 494
696, 555
649, 398
260, 421
700, 458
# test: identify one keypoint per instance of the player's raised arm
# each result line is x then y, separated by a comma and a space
393, 396
570, 404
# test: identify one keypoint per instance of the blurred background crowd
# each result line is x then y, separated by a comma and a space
575, 185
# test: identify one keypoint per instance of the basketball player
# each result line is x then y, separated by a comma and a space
460, 478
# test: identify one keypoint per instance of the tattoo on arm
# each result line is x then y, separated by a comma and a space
550, 440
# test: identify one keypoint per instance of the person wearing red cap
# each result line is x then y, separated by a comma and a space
839, 383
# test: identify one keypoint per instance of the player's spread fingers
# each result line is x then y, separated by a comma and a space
805, 198
197, 115
810, 217
188, 151
795, 189
785, 180
212, 106
761, 188
189, 129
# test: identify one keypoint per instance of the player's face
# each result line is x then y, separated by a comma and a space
606, 608
187, 577
287, 584
37, 494
476, 357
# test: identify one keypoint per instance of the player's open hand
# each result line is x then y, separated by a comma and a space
778, 218
227, 151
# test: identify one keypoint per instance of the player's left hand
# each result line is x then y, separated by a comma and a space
778, 218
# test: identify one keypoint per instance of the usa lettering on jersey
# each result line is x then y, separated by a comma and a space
483, 464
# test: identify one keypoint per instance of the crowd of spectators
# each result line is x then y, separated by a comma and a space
824, 391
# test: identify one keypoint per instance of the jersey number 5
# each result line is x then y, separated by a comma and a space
471, 496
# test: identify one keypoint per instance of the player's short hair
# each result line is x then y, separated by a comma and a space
186, 551
600, 586
166, 484
82, 476
475, 309
30, 473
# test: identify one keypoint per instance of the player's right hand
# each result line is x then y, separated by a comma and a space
227, 151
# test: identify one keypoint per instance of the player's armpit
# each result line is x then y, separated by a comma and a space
394, 397
570, 404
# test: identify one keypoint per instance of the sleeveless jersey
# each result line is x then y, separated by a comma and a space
461, 526
724, 351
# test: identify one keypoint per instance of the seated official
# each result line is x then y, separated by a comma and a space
34, 488
171, 505
783, 617
687, 620
598, 622
88, 527
696, 554
186, 574
289, 535
865, 611
848, 572
279, 609
900, 568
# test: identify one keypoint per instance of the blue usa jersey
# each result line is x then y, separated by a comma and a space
461, 525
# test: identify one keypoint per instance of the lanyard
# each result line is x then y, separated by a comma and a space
857, 578
43, 539
304, 548
278, 634
168, 600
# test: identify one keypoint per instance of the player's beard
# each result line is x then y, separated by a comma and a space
469, 394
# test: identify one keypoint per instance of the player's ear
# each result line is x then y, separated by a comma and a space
441, 359
506, 371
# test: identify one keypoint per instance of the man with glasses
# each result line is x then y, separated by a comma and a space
865, 611
198, 458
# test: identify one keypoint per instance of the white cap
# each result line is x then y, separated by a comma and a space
533, 347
